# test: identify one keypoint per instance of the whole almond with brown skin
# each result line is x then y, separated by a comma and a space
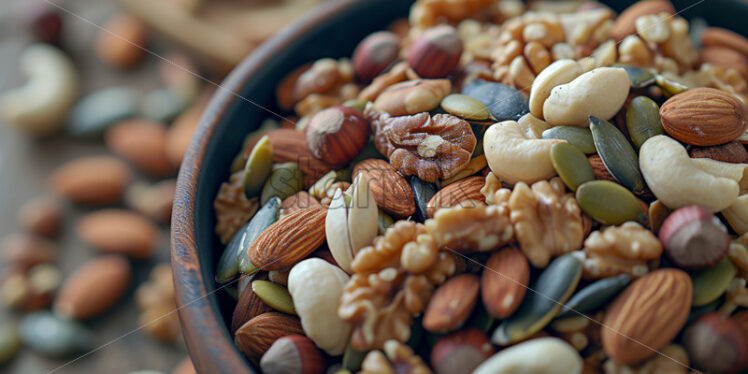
647, 315
118, 231
467, 189
249, 305
97, 180
718, 37
733, 152
258, 334
181, 130
704, 117
504, 282
94, 288
289, 240
391, 191
120, 42
290, 146
625, 24
143, 143
452, 303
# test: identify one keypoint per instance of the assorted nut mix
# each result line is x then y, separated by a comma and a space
500, 189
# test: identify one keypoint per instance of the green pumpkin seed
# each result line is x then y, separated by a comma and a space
617, 154
266, 216
354, 103
163, 105
579, 137
670, 87
423, 192
353, 358
571, 165
383, 221
53, 336
609, 203
710, 284
639, 77
258, 167
284, 181
466, 107
552, 289
228, 263
504, 102
93, 114
10, 342
643, 120
594, 296
699, 311
274, 295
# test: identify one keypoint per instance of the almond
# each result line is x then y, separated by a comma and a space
120, 42
41, 216
97, 180
704, 117
724, 57
625, 24
391, 191
454, 194
118, 231
733, 153
598, 167
718, 37
249, 306
647, 315
256, 336
451, 304
142, 142
504, 282
94, 287
289, 240
290, 146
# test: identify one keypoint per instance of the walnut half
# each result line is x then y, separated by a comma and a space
382, 296
432, 148
624, 249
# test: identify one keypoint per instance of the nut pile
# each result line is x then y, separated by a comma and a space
500, 189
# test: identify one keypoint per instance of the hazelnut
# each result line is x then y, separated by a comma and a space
694, 238
460, 352
717, 344
374, 54
436, 52
336, 135
293, 354
45, 22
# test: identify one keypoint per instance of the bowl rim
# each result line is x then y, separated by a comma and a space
193, 306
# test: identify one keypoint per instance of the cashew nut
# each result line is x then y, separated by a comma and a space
737, 215
542, 355
600, 93
41, 105
532, 126
677, 180
556, 74
515, 156
350, 228
316, 286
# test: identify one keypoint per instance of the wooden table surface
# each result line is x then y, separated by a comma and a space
24, 167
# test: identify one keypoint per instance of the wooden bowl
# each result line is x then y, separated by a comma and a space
242, 101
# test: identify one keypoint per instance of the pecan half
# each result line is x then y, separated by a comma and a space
430, 147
